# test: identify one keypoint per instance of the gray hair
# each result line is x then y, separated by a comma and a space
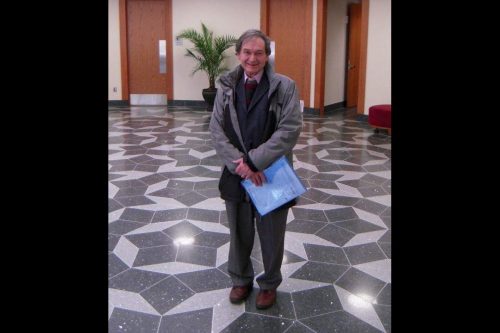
251, 33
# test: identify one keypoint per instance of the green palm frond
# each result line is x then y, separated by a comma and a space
207, 51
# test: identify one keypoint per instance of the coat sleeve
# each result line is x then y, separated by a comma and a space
226, 151
288, 128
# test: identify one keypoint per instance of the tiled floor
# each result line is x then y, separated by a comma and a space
168, 234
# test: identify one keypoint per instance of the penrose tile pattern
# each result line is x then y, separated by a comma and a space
169, 241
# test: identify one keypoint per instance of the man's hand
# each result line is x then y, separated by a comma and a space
244, 171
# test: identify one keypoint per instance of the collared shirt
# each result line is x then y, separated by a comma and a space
256, 77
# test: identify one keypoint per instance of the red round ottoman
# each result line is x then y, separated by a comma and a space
379, 116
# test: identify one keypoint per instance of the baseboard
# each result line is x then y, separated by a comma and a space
311, 110
333, 108
177, 102
362, 117
118, 103
180, 102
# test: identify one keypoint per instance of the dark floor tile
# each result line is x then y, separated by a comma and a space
376, 168
251, 323
205, 215
340, 214
130, 321
386, 219
384, 297
112, 241
376, 180
131, 191
149, 239
358, 282
315, 195
123, 166
199, 171
167, 294
115, 265
205, 280
153, 179
209, 193
198, 255
155, 162
341, 200
175, 174
358, 226
335, 234
121, 227
128, 183
370, 206
134, 201
326, 254
298, 327
314, 302
326, 177
308, 214
170, 215
339, 321
305, 173
290, 258
188, 322
386, 248
318, 271
301, 201
359, 254
190, 198
146, 168
355, 168
169, 193
211, 239
304, 226
113, 205
155, 255
328, 167
180, 184
384, 313
135, 280
386, 238
137, 215
187, 161
202, 185
323, 184
356, 183
372, 191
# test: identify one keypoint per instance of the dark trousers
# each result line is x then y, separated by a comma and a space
271, 229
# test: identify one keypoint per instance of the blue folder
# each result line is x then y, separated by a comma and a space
282, 186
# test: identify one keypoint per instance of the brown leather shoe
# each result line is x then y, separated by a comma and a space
265, 299
239, 293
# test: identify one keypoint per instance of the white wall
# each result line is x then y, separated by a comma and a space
378, 65
114, 63
224, 17
335, 51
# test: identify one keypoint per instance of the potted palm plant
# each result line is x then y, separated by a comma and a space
208, 53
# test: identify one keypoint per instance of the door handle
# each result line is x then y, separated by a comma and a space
349, 65
163, 56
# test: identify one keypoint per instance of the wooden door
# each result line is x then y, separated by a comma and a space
149, 50
289, 25
353, 55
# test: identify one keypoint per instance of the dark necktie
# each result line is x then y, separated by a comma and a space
250, 86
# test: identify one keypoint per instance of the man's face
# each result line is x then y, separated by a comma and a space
252, 55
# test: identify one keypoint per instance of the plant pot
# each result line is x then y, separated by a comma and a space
209, 97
